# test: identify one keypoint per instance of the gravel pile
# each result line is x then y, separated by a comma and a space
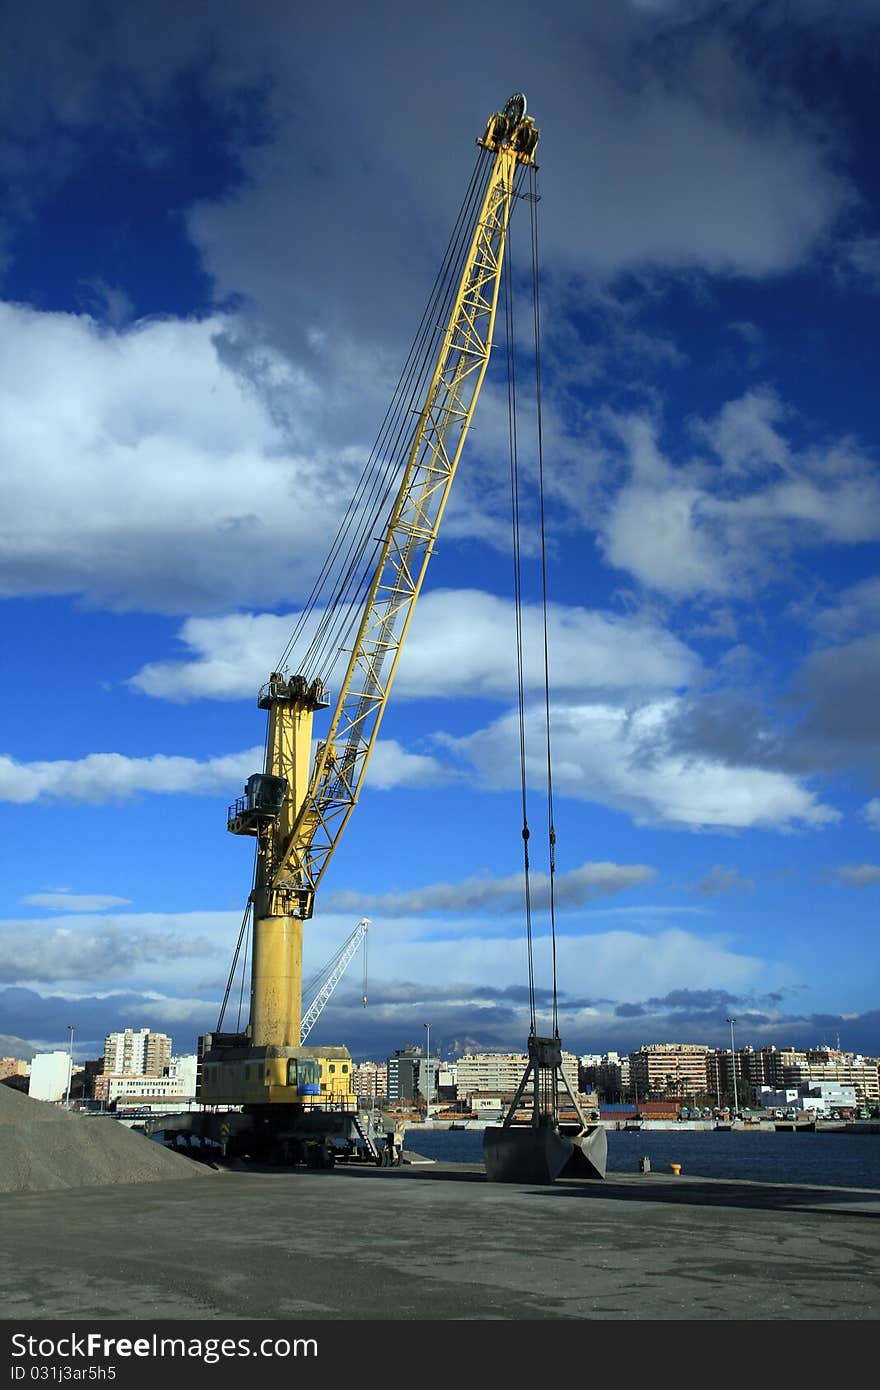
43, 1146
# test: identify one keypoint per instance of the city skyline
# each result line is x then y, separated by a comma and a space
419, 1049
219, 233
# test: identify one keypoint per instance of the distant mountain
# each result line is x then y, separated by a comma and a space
17, 1047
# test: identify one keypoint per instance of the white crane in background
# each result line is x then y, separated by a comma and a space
327, 979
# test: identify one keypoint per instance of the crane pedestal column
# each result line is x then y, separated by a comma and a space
276, 980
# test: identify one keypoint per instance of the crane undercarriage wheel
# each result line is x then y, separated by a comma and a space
317, 1156
389, 1158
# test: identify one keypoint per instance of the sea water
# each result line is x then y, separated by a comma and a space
830, 1159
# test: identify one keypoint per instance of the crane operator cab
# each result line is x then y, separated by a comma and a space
262, 801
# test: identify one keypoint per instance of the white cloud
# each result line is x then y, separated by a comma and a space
609, 965
683, 152
689, 186
234, 655
459, 639
744, 433
502, 895
654, 529
719, 880
616, 756
841, 508
841, 722
154, 464
860, 258
872, 812
696, 529
854, 611
859, 875
655, 7
93, 947
451, 963
75, 902
679, 157
100, 777
392, 766
636, 966
178, 465
152, 469
608, 753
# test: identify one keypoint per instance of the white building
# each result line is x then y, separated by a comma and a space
447, 1077
183, 1069
126, 1088
821, 1097
50, 1073
130, 1089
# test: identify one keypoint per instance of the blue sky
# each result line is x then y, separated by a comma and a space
218, 234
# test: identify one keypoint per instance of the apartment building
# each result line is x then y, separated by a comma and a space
500, 1073
12, 1066
370, 1080
139, 1052
403, 1075
829, 1065
607, 1073
670, 1069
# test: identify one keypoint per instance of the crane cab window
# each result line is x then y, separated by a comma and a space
303, 1072
332, 1066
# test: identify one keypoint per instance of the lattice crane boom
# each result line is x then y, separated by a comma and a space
438, 439
332, 976
296, 810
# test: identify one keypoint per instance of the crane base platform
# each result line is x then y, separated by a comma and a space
544, 1152
285, 1135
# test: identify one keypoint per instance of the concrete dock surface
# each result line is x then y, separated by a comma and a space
439, 1242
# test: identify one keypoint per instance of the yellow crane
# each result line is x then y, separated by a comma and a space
298, 1101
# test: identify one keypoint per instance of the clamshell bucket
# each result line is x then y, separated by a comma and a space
589, 1156
536, 1147
542, 1153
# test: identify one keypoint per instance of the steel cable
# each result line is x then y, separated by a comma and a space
346, 565
551, 828
518, 615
